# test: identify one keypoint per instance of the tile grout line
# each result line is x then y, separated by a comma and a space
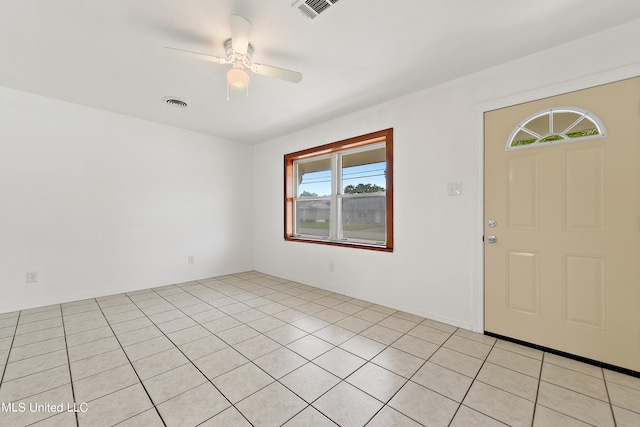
191, 361
386, 346
421, 366
451, 334
2, 382
281, 346
176, 346
307, 404
384, 404
284, 295
473, 380
109, 324
544, 353
606, 387
577, 392
243, 322
66, 347
198, 323
251, 361
276, 380
540, 380
13, 339
535, 403
134, 370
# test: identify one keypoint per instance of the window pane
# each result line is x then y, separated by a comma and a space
364, 218
583, 128
522, 138
314, 178
312, 217
355, 172
567, 125
563, 119
539, 125
364, 172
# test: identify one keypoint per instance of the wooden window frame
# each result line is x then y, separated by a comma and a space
386, 136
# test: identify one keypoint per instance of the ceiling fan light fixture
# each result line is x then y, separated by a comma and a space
238, 77
239, 52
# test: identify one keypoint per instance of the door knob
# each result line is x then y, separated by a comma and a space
492, 239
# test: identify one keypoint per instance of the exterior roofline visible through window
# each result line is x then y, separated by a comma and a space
383, 136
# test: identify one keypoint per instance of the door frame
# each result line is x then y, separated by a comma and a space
597, 79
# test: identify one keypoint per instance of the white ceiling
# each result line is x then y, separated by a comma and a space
109, 54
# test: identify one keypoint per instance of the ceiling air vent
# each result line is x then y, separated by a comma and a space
174, 102
312, 9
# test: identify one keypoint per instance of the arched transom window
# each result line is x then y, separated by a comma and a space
556, 125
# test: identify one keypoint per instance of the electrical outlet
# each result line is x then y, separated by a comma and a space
32, 276
332, 267
191, 259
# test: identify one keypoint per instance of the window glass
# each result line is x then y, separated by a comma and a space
584, 127
364, 218
342, 193
539, 125
314, 178
364, 172
562, 124
523, 138
563, 120
313, 217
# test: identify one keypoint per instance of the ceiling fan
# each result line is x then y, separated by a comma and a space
239, 52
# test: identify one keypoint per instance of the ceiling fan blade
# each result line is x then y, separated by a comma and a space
278, 73
197, 55
240, 30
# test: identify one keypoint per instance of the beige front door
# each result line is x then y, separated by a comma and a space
564, 270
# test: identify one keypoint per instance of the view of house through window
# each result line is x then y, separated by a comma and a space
340, 193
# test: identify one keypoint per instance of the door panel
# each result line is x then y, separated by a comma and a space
523, 284
564, 272
584, 188
523, 195
584, 291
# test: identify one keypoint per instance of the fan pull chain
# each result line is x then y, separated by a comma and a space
246, 95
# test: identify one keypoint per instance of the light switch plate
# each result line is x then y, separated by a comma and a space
454, 188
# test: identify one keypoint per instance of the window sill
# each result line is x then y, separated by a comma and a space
340, 244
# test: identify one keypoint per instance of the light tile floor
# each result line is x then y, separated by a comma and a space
252, 349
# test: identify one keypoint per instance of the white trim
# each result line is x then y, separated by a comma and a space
604, 77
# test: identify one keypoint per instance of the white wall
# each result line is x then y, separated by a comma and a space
98, 203
436, 269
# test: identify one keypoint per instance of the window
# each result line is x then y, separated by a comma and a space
342, 193
562, 124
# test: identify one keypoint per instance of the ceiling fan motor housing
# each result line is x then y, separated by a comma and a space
239, 53
237, 57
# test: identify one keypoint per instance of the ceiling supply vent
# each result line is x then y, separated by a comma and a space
312, 9
174, 102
